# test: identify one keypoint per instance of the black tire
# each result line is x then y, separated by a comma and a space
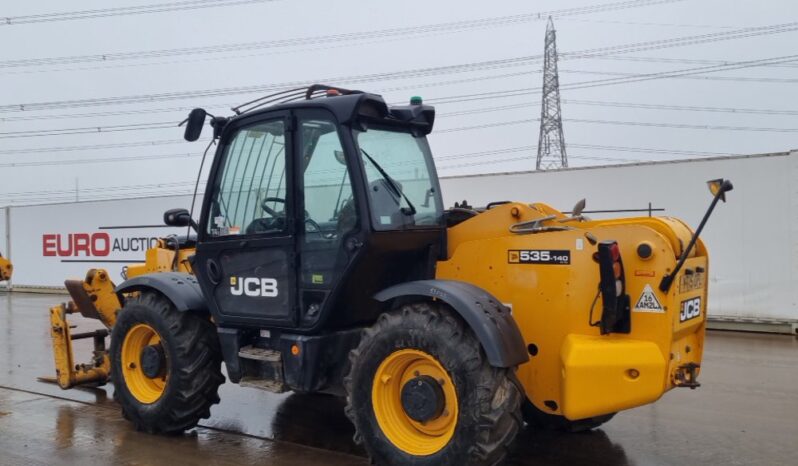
193, 365
488, 401
538, 419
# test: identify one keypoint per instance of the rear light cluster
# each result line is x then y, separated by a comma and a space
617, 268
616, 315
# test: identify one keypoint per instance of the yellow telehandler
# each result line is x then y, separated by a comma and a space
323, 261
6, 269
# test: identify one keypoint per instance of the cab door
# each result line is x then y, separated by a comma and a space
246, 250
328, 235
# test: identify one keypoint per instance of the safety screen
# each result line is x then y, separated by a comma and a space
250, 196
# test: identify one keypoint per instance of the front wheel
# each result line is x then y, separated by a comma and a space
421, 391
165, 365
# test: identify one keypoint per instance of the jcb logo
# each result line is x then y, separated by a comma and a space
690, 309
252, 286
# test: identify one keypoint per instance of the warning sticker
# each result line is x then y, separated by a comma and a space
648, 301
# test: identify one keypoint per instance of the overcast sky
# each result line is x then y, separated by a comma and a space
602, 122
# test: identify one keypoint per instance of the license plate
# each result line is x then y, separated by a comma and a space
694, 281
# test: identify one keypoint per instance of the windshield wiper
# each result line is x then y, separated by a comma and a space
411, 209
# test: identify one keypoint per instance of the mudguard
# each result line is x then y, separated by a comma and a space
180, 288
491, 321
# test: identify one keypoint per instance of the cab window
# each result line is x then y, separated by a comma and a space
402, 185
330, 212
250, 194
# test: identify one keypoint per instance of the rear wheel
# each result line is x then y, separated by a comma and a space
420, 391
166, 365
542, 420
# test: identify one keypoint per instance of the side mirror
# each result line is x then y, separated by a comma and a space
339, 156
194, 123
177, 218
720, 187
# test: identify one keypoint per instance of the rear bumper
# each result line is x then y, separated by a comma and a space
602, 375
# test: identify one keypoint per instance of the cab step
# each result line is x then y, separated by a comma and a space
260, 354
262, 369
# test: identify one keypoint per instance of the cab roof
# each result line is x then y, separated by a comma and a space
350, 107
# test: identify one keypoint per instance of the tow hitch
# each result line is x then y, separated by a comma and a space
685, 376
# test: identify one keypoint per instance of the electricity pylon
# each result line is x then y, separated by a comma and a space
551, 142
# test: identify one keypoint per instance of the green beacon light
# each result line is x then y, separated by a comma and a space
416, 100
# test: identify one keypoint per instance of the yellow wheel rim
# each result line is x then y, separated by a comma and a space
407, 434
145, 389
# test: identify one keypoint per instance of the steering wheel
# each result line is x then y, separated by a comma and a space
269, 210
274, 213
311, 222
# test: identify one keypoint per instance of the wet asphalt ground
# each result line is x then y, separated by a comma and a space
746, 413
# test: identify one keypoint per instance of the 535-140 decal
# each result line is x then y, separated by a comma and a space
539, 256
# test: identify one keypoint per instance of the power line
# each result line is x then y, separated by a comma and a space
653, 150
122, 11
625, 78
228, 104
132, 158
637, 105
526, 158
688, 61
689, 108
684, 126
239, 90
70, 197
742, 33
622, 123
170, 125
679, 73
64, 116
701, 78
422, 72
638, 23
89, 147
437, 100
508, 150
192, 155
403, 32
87, 130
103, 189
529, 149
489, 109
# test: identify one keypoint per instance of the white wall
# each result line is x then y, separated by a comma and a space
4, 249
752, 239
36, 231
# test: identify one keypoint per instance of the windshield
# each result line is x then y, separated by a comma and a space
398, 161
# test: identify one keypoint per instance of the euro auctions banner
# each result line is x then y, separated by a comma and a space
52, 243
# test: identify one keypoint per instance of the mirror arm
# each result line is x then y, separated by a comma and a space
667, 280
